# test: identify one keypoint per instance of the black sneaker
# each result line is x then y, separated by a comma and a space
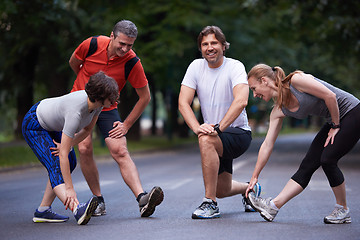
100, 209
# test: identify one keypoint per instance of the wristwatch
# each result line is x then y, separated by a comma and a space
217, 129
334, 126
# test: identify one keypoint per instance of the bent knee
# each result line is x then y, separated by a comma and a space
119, 152
205, 140
85, 149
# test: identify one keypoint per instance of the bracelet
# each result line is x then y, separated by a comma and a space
334, 126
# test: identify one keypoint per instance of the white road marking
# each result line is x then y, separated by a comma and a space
82, 186
321, 185
240, 164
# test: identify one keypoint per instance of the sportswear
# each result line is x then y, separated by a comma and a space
207, 210
214, 87
149, 201
48, 216
84, 211
68, 113
114, 67
346, 102
338, 216
263, 206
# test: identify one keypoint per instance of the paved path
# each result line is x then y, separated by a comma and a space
178, 172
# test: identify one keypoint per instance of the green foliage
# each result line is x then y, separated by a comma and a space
37, 38
22, 155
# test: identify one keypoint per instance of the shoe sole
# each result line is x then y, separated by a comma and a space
249, 210
85, 218
44, 220
156, 197
340, 221
263, 214
99, 214
194, 216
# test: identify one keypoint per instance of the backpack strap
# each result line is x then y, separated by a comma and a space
129, 66
92, 47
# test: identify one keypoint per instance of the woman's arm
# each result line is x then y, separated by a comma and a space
306, 83
276, 119
71, 199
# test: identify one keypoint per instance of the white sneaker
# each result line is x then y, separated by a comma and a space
339, 215
263, 206
207, 210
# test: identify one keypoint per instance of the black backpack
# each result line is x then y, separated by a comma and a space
128, 65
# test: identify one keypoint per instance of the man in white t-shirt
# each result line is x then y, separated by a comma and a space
222, 88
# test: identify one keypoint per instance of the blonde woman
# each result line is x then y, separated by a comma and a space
299, 95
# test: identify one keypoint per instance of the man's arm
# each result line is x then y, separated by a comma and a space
120, 129
186, 97
75, 63
241, 96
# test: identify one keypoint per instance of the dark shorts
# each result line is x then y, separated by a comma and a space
106, 120
235, 142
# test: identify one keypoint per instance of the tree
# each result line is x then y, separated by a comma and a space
34, 38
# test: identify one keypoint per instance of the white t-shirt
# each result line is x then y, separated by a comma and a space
214, 87
68, 113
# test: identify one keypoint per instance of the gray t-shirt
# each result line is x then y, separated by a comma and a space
311, 105
68, 113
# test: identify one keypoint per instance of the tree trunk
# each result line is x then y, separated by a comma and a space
154, 106
24, 75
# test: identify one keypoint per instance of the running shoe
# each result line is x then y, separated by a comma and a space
207, 210
247, 206
245, 201
48, 216
100, 209
339, 215
84, 211
149, 201
262, 206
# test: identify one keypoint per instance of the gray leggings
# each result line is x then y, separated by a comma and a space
329, 156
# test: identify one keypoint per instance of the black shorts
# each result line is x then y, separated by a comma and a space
106, 120
235, 142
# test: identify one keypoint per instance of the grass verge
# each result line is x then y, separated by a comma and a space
22, 155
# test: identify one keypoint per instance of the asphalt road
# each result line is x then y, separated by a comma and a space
178, 172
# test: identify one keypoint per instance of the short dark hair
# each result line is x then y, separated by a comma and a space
101, 87
219, 35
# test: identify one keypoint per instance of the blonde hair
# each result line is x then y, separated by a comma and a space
276, 74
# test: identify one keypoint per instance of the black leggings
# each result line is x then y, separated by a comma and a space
329, 156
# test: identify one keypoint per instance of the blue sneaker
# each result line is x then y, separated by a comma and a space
84, 211
257, 189
48, 216
257, 192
